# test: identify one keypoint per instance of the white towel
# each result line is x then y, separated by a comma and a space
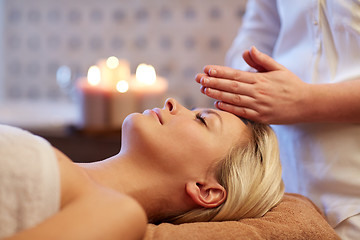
29, 180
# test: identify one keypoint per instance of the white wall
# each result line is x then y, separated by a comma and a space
1, 52
178, 37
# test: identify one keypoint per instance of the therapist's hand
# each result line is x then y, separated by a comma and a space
272, 95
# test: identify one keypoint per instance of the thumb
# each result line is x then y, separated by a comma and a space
265, 61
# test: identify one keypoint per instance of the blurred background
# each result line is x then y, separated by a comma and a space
37, 37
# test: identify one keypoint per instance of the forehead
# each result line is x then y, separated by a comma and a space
223, 114
222, 134
232, 121
229, 121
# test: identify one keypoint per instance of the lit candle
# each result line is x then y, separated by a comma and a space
122, 103
112, 71
91, 100
94, 76
149, 88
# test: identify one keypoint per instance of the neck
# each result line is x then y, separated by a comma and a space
139, 179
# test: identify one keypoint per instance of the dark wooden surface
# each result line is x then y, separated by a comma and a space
82, 146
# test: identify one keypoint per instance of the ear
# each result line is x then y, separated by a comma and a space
207, 195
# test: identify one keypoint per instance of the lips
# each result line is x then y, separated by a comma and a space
155, 113
158, 114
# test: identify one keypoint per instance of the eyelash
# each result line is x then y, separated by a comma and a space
201, 118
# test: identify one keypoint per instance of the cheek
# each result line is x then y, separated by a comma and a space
190, 145
191, 138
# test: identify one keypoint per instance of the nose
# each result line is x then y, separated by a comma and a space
172, 105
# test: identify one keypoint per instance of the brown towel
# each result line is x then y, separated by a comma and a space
296, 217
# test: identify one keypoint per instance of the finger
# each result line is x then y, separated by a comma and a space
248, 59
229, 73
227, 85
231, 98
202, 89
243, 112
265, 61
211, 69
199, 76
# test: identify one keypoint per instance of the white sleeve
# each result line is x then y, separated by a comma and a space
260, 28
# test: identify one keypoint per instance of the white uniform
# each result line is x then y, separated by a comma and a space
319, 41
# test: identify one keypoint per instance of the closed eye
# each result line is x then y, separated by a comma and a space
201, 119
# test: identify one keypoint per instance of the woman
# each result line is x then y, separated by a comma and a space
175, 165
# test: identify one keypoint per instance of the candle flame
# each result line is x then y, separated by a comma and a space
94, 75
112, 62
122, 86
146, 74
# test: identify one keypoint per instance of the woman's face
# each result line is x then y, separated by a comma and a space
175, 138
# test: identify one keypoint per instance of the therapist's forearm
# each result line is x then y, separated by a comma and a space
337, 102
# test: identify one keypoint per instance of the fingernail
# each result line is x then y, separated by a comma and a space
212, 72
204, 80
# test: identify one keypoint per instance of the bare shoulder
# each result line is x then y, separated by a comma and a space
102, 212
106, 214
88, 211
122, 215
73, 181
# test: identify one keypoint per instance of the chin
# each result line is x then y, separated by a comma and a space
137, 132
130, 123
129, 119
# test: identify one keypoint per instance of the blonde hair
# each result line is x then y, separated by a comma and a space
251, 175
